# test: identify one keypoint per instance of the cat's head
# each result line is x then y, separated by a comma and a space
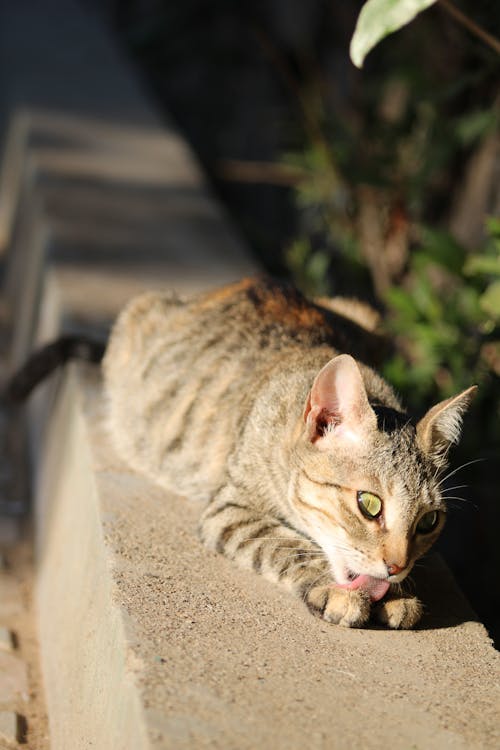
366, 483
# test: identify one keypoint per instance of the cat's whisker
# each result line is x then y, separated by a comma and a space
319, 553
459, 468
456, 487
300, 560
464, 500
305, 551
304, 554
277, 539
441, 467
309, 555
398, 587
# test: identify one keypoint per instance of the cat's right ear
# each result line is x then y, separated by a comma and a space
337, 407
442, 425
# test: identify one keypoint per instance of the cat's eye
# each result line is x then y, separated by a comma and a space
370, 505
428, 522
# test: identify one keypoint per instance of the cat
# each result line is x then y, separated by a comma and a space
261, 405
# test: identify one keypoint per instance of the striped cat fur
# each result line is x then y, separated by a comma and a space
261, 405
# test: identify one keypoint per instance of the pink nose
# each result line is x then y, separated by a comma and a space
393, 569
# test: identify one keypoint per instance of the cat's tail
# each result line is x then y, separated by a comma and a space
47, 359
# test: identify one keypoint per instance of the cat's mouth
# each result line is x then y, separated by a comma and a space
376, 588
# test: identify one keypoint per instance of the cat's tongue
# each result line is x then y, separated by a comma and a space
376, 588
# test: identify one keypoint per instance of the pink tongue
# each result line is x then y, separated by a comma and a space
375, 587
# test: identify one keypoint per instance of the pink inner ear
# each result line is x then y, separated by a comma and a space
325, 392
318, 421
338, 398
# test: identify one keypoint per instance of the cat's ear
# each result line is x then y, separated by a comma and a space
442, 425
337, 406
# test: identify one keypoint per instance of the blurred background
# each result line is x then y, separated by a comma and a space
381, 183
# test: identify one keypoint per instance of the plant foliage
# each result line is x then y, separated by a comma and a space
378, 204
378, 19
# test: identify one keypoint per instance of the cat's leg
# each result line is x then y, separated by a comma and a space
342, 607
263, 543
398, 610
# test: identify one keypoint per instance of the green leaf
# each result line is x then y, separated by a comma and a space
465, 306
474, 125
493, 226
441, 248
426, 300
402, 303
488, 264
490, 300
377, 19
318, 267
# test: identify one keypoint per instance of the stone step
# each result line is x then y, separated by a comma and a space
89, 226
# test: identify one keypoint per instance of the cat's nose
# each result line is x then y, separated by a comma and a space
393, 569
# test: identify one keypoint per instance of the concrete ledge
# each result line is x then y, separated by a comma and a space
169, 646
91, 697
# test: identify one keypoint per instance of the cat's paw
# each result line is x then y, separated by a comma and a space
348, 608
403, 612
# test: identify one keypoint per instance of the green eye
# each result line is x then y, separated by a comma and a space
370, 505
428, 522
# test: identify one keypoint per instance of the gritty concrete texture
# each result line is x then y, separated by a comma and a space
178, 648
22, 709
8, 728
6, 639
13, 681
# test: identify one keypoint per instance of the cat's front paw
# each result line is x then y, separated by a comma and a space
403, 612
342, 607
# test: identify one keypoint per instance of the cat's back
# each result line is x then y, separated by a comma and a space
159, 332
181, 374
258, 314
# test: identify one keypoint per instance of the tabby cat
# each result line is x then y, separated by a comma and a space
259, 403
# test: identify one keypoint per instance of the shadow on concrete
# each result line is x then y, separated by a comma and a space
444, 604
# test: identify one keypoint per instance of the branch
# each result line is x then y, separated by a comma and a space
478, 31
260, 172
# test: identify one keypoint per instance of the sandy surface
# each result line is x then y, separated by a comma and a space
225, 659
21, 693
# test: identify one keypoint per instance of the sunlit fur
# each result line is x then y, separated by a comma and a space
221, 398
388, 464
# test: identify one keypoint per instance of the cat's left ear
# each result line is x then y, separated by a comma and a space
337, 407
442, 425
